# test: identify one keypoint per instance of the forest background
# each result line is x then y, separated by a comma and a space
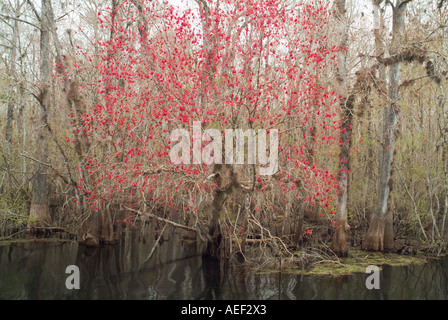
90, 91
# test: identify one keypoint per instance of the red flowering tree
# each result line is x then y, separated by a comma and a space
229, 64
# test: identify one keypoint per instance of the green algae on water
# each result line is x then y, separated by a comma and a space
356, 262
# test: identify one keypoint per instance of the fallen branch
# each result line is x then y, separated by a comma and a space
153, 216
156, 244
12, 235
55, 229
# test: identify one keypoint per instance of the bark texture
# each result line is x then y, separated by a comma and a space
39, 210
339, 245
380, 236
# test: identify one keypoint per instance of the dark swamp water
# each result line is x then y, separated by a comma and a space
37, 271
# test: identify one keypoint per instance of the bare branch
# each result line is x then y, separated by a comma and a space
153, 216
6, 22
34, 9
20, 20
67, 13
403, 3
47, 165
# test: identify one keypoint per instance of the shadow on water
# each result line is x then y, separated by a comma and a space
37, 271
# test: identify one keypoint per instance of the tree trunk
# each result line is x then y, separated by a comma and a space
380, 236
225, 179
13, 73
444, 126
214, 230
339, 245
39, 211
223, 174
107, 230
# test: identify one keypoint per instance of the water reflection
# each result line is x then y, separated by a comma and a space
37, 271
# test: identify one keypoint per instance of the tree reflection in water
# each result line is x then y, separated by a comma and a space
37, 271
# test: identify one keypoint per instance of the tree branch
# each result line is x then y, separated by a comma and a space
6, 22
67, 13
408, 54
153, 216
47, 165
408, 82
20, 20
34, 9
403, 3
391, 4
55, 229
